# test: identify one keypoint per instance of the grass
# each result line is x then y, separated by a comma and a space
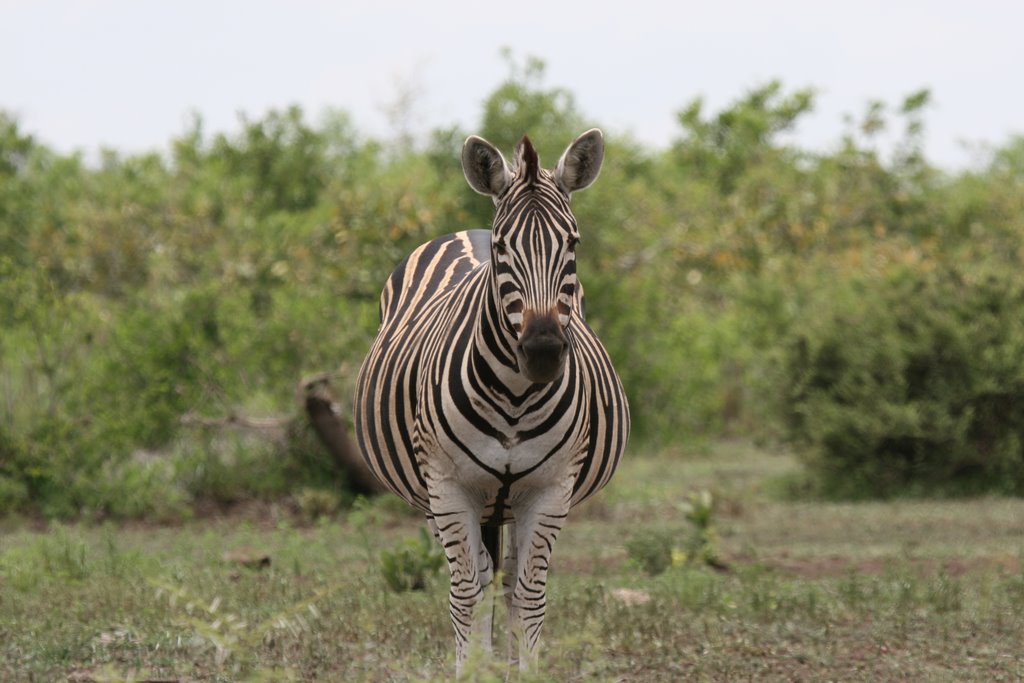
813, 591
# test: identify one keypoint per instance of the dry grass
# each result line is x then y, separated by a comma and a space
815, 591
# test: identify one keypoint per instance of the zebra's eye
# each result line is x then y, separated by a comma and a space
573, 241
499, 246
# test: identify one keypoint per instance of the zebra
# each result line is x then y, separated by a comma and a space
486, 399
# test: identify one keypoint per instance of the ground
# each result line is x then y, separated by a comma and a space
804, 591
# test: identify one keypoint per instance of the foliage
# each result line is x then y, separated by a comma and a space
210, 279
724, 147
412, 563
522, 105
654, 551
912, 384
651, 551
232, 637
701, 548
316, 504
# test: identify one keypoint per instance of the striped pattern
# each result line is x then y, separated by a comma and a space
450, 414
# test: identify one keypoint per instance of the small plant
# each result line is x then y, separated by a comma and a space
236, 639
63, 556
315, 504
651, 551
699, 509
13, 494
656, 551
117, 562
412, 563
945, 594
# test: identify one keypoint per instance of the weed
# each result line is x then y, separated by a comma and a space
233, 637
651, 550
701, 546
654, 551
63, 556
411, 564
117, 562
945, 594
853, 593
315, 504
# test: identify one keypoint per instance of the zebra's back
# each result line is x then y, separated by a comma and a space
431, 270
386, 394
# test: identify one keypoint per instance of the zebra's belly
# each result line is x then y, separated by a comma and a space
500, 476
525, 463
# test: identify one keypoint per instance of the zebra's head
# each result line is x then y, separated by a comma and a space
533, 242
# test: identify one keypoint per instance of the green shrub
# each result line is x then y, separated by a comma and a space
912, 385
651, 550
412, 563
144, 486
701, 548
210, 280
13, 491
227, 468
13, 495
316, 504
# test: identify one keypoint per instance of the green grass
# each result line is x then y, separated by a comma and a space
815, 591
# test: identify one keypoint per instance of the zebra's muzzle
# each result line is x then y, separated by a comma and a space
542, 349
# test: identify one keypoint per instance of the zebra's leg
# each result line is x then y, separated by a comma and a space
457, 521
538, 525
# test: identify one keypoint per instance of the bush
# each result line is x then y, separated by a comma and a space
13, 495
208, 282
651, 550
912, 385
316, 504
412, 563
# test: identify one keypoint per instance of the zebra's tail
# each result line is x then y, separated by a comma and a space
492, 538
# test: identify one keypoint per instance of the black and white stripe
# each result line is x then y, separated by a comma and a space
486, 399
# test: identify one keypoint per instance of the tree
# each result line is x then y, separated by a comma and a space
725, 145
521, 105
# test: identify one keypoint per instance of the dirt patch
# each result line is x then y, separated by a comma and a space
587, 566
836, 565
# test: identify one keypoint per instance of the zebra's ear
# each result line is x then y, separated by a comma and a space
486, 169
581, 162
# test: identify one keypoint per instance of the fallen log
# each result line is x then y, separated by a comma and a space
324, 412
320, 409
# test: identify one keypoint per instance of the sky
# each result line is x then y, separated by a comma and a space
129, 74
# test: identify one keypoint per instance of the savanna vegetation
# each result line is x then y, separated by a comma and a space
796, 329
911, 590
860, 304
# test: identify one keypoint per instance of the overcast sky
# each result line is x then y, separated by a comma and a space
127, 73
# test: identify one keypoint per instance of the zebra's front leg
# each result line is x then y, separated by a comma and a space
457, 522
537, 529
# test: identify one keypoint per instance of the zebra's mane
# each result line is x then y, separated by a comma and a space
528, 160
